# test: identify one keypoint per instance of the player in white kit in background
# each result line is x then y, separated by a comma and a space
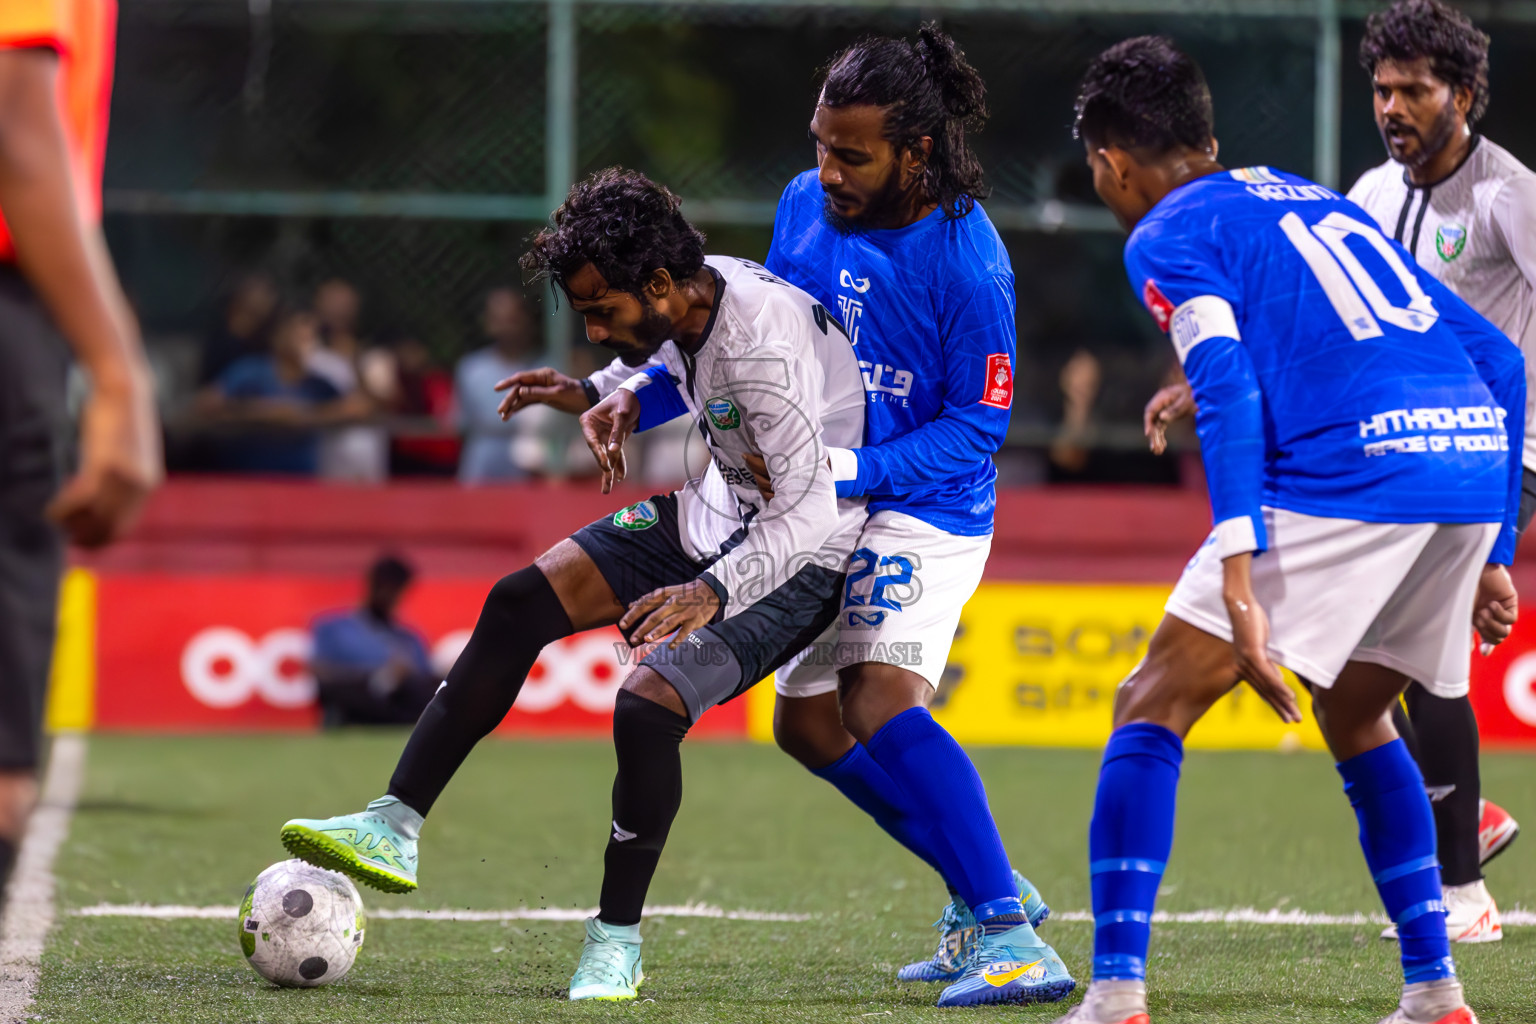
1466, 210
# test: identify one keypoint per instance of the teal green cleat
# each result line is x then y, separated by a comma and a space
1013, 967
377, 847
958, 934
610, 963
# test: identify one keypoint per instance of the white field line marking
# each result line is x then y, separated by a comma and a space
1242, 915
29, 910
412, 914
1296, 918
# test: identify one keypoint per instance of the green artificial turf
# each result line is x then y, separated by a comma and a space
191, 820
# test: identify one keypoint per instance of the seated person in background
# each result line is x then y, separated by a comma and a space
370, 668
496, 450
279, 403
244, 328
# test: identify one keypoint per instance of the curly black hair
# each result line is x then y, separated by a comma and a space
926, 88
622, 223
1145, 93
1411, 29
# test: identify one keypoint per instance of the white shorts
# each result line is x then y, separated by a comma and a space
1340, 590
907, 583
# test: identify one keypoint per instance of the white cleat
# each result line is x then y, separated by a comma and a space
1432, 1002
1470, 915
1111, 1002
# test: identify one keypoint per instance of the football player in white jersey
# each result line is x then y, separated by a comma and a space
1466, 209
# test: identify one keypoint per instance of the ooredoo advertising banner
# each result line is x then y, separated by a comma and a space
230, 652
1033, 664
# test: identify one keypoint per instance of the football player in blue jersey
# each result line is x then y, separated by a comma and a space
887, 233
1360, 427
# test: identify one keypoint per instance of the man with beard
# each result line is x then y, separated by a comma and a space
888, 234
1466, 209
737, 580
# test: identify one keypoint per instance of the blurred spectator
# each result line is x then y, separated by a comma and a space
425, 390
1079, 454
336, 306
243, 331
370, 668
1080, 380
495, 450
358, 453
281, 404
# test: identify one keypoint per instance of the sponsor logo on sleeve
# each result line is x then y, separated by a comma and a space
1157, 304
998, 390
639, 516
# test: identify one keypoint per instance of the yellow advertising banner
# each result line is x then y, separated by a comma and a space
1037, 664
72, 683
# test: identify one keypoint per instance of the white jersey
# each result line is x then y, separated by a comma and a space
1475, 231
774, 376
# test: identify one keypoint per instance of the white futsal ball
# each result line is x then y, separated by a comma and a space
301, 926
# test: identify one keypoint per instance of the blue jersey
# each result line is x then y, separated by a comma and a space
930, 310
1333, 376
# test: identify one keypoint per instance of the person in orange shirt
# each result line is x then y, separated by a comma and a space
58, 297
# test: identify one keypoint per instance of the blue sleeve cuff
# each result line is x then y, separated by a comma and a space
1503, 552
660, 401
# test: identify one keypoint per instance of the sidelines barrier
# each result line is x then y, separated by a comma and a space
207, 653
1033, 664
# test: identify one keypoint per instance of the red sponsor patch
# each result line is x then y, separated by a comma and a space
998, 389
1157, 304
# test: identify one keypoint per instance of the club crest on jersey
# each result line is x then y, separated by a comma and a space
639, 516
1157, 304
998, 389
723, 413
1450, 239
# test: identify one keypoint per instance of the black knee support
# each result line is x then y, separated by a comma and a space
521, 615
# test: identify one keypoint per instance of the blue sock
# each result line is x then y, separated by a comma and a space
946, 795
1397, 832
860, 779
1129, 840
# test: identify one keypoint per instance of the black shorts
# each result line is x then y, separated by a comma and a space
34, 364
639, 549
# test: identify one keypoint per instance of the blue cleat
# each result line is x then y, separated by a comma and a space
1013, 967
958, 934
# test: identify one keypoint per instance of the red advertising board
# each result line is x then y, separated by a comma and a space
1504, 689
229, 651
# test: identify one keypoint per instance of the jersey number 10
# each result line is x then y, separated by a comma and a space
1355, 295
